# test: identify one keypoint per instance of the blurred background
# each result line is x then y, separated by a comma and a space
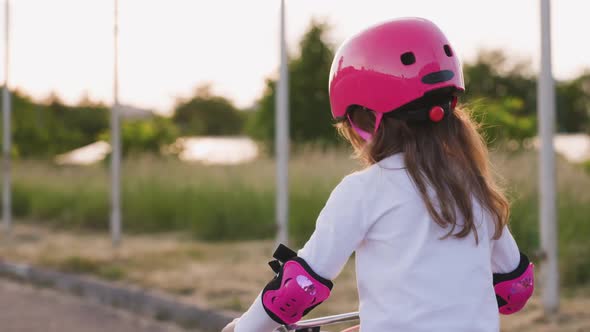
197, 99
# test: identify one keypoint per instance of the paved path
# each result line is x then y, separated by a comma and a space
27, 309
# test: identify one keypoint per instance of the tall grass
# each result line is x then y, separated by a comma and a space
573, 211
237, 202
212, 202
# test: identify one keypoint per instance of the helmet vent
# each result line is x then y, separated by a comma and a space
448, 50
408, 58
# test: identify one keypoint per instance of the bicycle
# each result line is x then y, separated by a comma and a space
314, 325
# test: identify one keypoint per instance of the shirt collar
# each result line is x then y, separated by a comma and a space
393, 161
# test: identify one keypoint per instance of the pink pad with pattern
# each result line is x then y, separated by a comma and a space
516, 292
299, 291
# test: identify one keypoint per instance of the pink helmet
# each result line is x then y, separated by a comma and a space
392, 64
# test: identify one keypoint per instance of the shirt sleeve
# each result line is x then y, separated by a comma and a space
505, 253
339, 230
256, 319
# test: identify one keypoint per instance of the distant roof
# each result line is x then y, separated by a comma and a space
132, 112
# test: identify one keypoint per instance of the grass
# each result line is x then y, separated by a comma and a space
85, 265
230, 203
213, 203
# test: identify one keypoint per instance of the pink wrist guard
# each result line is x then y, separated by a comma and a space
294, 291
515, 288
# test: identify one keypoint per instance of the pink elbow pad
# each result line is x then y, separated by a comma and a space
515, 288
294, 291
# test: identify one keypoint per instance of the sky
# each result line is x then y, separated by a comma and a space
170, 47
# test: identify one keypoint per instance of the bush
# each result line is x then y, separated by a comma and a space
147, 135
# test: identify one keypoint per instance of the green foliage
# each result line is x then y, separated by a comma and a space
208, 115
309, 104
207, 211
499, 119
502, 96
492, 76
572, 224
43, 130
147, 135
573, 104
151, 135
213, 203
261, 124
507, 92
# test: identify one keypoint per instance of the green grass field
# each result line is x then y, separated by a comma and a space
214, 203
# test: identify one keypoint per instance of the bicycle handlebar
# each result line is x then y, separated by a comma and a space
321, 321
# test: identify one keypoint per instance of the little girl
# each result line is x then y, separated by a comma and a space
425, 218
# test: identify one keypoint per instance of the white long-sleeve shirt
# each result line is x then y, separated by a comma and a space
408, 278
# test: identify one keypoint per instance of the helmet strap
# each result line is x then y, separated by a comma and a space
366, 136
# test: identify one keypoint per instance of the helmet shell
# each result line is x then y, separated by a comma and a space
368, 70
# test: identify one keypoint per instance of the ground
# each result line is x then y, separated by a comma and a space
225, 276
27, 309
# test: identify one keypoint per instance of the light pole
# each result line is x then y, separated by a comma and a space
6, 130
547, 187
282, 138
115, 220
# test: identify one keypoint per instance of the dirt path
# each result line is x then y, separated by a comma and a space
27, 309
574, 316
225, 276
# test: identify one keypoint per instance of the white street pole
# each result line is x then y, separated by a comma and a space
6, 130
547, 187
115, 222
282, 139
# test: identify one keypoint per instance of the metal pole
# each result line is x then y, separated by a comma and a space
115, 222
6, 130
547, 187
282, 139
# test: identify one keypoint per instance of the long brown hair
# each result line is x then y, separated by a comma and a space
450, 157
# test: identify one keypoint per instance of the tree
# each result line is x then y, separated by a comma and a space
49, 128
309, 102
502, 95
42, 130
207, 114
494, 76
507, 90
573, 104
